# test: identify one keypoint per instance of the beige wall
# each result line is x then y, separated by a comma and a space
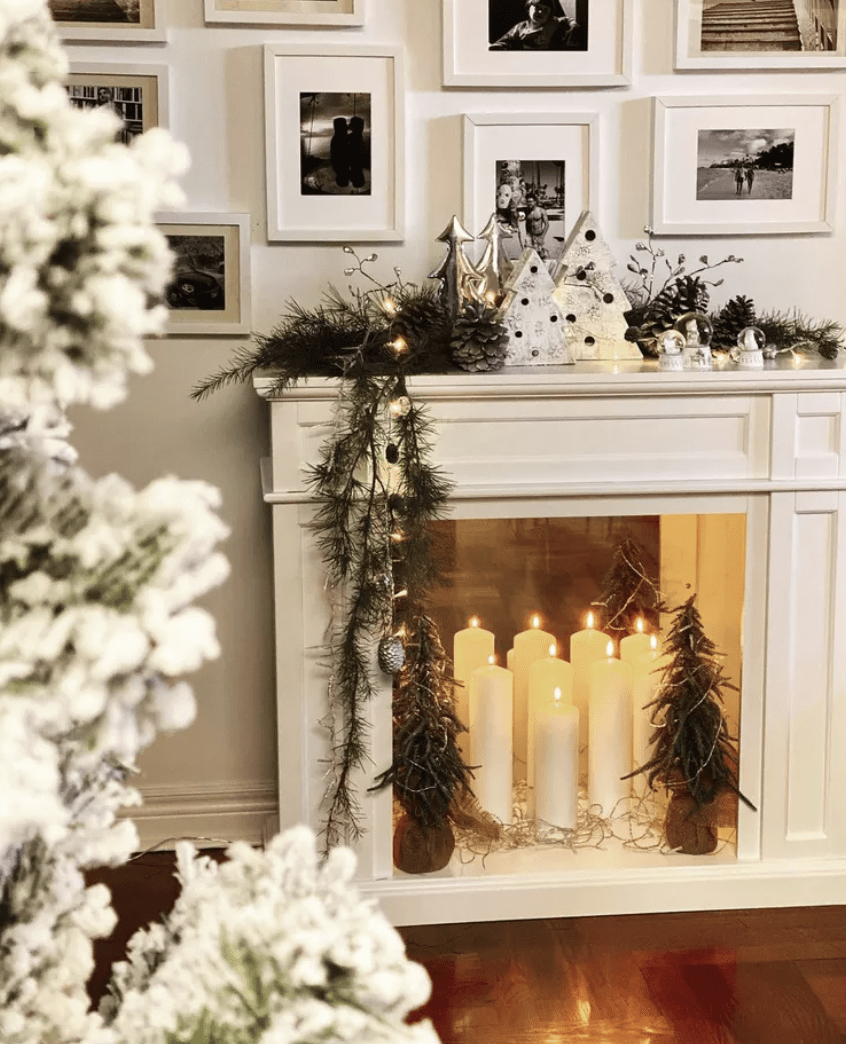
219, 775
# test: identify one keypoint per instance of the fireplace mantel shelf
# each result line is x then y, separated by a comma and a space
602, 379
599, 440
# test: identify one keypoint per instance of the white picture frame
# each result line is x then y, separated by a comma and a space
196, 307
308, 200
700, 144
558, 158
285, 13
603, 59
139, 94
820, 32
148, 26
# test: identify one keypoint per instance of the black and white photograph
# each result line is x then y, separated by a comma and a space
199, 273
779, 26
538, 25
335, 142
530, 206
745, 164
127, 103
285, 12
127, 12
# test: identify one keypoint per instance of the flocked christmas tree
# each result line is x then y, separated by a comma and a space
693, 755
97, 625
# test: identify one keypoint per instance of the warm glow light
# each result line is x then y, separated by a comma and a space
490, 296
396, 409
653, 642
639, 625
399, 345
609, 650
557, 695
492, 659
397, 537
389, 305
401, 594
590, 621
474, 621
535, 621
552, 650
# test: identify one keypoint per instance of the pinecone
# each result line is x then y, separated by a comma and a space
686, 294
422, 322
479, 339
734, 317
391, 654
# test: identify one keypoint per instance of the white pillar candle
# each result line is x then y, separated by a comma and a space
635, 645
491, 734
545, 677
471, 649
586, 647
648, 671
509, 659
556, 746
610, 733
529, 646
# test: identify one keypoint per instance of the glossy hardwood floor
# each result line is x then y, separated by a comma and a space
741, 977
744, 977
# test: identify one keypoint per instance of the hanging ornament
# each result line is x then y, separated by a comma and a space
494, 267
458, 277
391, 654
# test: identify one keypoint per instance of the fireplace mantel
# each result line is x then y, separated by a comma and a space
603, 439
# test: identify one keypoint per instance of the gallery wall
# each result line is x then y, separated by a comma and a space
218, 778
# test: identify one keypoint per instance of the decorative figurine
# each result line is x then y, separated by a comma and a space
670, 350
537, 334
749, 354
494, 266
697, 331
591, 298
458, 276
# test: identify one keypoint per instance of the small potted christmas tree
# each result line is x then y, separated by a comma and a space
629, 592
693, 755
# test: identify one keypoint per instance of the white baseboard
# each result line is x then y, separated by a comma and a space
209, 814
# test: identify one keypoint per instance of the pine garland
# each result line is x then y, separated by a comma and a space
692, 748
794, 330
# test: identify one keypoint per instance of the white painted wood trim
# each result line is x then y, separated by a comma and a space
211, 814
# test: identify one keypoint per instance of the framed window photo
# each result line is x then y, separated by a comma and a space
334, 143
137, 94
537, 43
285, 12
536, 172
104, 21
210, 289
748, 34
744, 165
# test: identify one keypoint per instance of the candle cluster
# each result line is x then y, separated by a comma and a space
549, 721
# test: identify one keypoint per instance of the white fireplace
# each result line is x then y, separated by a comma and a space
748, 466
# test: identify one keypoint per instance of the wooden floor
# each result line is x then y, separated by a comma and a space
743, 977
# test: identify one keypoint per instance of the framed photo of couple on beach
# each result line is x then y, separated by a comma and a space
733, 165
537, 43
334, 143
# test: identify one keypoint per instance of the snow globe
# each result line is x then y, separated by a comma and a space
671, 345
697, 331
749, 354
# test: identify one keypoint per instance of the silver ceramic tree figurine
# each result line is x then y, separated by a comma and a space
459, 278
494, 267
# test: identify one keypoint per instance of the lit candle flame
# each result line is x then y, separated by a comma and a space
474, 621
492, 659
609, 650
490, 296
653, 642
552, 649
639, 625
590, 621
535, 622
557, 695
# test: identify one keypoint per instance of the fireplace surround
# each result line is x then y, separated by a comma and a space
603, 440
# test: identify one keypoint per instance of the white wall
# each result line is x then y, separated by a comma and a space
218, 777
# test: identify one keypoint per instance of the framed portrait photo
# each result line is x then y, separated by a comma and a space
209, 292
537, 43
285, 12
749, 34
536, 172
334, 143
136, 94
733, 165
105, 21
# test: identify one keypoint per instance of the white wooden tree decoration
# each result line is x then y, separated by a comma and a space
459, 278
494, 266
592, 300
537, 334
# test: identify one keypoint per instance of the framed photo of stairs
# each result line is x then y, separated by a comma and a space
760, 34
